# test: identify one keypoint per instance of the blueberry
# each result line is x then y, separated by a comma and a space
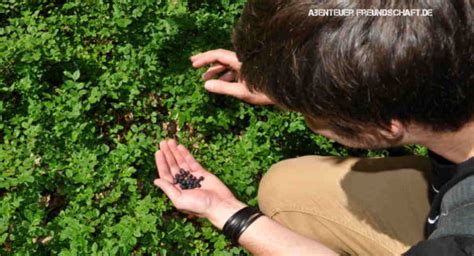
187, 180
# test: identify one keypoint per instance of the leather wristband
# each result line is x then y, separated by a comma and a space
247, 224
239, 222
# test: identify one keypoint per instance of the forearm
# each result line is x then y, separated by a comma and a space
267, 237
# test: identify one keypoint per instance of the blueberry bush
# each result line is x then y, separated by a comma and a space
87, 91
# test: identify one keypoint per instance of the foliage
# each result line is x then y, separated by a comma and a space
87, 91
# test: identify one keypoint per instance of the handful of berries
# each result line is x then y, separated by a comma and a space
186, 180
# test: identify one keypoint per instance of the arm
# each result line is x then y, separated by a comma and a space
216, 202
266, 236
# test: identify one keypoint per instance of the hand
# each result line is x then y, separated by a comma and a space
222, 60
213, 200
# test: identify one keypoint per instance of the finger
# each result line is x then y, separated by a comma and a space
200, 55
190, 160
228, 76
222, 56
169, 157
171, 191
195, 56
162, 166
212, 71
177, 155
222, 87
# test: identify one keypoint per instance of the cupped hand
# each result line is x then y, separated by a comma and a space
221, 61
201, 202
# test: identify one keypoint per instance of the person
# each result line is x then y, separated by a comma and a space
365, 82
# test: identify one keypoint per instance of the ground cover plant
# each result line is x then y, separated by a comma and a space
87, 91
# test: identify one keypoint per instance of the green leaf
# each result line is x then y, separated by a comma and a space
123, 22
76, 75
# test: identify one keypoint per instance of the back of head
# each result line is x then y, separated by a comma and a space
362, 70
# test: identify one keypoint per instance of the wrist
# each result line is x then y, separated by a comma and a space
219, 214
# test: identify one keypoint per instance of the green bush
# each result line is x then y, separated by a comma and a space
87, 91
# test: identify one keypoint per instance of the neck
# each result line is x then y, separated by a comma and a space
454, 146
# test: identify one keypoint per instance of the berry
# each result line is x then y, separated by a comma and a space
186, 180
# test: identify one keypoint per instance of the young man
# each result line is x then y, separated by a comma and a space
367, 82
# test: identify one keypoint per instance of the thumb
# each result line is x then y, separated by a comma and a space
171, 191
226, 88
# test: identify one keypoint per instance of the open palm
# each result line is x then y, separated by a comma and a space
200, 201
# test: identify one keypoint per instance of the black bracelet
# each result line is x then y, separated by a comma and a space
233, 222
247, 224
239, 222
230, 228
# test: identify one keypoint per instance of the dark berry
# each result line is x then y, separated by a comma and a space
187, 180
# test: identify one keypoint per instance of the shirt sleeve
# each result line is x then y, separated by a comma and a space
448, 245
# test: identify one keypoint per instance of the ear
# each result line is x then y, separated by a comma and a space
395, 131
